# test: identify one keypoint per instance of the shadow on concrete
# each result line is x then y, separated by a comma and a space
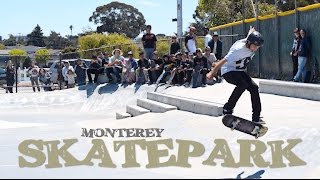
108, 88
90, 88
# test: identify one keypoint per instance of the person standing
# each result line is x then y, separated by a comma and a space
10, 72
294, 51
80, 71
175, 46
149, 43
190, 41
33, 71
207, 37
303, 53
216, 45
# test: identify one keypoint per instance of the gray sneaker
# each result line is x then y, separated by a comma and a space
260, 122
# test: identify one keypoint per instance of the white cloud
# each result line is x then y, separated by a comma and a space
148, 3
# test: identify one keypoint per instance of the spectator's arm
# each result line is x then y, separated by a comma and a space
186, 44
143, 40
155, 42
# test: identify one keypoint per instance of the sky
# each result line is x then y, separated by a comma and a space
19, 17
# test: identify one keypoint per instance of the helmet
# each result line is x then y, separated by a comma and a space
255, 38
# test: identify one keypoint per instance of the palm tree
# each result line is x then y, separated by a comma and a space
71, 27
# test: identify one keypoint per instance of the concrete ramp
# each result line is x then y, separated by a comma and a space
187, 104
291, 89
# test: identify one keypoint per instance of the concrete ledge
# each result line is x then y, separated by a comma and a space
290, 89
122, 115
136, 110
186, 104
155, 106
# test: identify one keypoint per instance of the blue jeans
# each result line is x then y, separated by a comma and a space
302, 61
148, 52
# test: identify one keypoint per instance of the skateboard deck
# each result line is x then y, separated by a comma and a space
245, 126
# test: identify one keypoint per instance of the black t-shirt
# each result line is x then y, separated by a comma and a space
95, 65
178, 63
187, 64
201, 61
159, 62
149, 40
144, 64
169, 65
174, 48
105, 61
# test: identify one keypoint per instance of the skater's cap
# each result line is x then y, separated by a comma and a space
215, 33
155, 52
208, 48
130, 53
295, 30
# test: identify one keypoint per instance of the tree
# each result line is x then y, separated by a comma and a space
19, 54
36, 37
110, 42
27, 63
42, 55
163, 46
2, 46
56, 41
11, 41
70, 53
289, 4
71, 27
217, 12
117, 17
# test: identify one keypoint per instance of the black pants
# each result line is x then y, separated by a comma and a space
96, 73
294, 65
243, 82
114, 70
10, 84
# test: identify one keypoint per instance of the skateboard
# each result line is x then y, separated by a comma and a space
173, 74
244, 126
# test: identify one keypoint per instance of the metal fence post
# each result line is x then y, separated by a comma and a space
278, 39
60, 68
16, 67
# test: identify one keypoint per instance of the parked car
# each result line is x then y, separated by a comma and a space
54, 67
3, 77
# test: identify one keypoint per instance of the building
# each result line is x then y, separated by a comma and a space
0, 38
21, 38
31, 51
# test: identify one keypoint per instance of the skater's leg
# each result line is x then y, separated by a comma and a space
253, 88
237, 79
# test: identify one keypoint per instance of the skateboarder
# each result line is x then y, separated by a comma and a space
233, 67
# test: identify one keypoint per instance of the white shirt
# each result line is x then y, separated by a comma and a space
191, 43
113, 58
237, 58
207, 39
211, 59
65, 72
71, 78
215, 47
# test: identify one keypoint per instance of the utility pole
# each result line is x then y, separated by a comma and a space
296, 14
179, 21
